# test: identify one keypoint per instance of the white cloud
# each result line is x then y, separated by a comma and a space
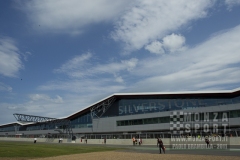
174, 42
80, 67
73, 15
108, 68
4, 87
96, 78
118, 79
77, 63
130, 64
26, 55
212, 64
84, 86
171, 43
10, 62
152, 20
232, 3
43, 97
155, 47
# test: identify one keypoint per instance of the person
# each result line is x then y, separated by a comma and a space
60, 140
160, 145
139, 141
35, 140
105, 140
86, 140
133, 140
207, 142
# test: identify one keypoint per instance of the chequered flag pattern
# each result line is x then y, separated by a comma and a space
176, 122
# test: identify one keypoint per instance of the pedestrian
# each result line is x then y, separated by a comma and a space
35, 140
139, 141
105, 140
133, 140
207, 142
86, 140
160, 145
60, 140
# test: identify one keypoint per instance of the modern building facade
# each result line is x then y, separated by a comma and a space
147, 115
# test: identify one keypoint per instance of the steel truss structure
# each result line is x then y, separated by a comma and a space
99, 109
61, 125
31, 118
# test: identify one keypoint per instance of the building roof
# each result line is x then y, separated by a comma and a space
204, 94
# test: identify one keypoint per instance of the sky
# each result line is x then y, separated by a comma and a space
60, 56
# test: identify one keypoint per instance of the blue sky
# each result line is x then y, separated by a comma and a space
59, 56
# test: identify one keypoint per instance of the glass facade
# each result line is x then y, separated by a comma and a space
154, 120
40, 126
83, 121
141, 106
7, 129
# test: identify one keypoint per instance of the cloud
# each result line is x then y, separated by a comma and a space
74, 64
174, 42
108, 68
171, 43
4, 87
155, 47
82, 66
118, 79
71, 16
87, 77
231, 3
10, 62
212, 64
43, 97
26, 55
149, 21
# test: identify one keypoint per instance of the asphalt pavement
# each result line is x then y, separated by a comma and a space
232, 151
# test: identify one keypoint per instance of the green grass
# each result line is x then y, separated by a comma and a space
31, 150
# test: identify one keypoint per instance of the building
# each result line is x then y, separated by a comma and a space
147, 115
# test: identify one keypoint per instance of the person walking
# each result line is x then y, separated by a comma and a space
133, 140
160, 145
139, 141
35, 140
86, 139
207, 142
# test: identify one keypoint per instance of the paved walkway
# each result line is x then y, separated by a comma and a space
233, 151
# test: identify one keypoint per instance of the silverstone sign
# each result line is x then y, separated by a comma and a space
128, 107
199, 130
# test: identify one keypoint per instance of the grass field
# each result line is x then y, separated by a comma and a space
31, 150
